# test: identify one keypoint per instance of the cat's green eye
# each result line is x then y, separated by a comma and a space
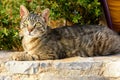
26, 22
38, 24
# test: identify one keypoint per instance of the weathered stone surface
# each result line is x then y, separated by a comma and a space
76, 68
112, 69
22, 67
34, 67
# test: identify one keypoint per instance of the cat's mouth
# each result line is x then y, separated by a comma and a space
30, 34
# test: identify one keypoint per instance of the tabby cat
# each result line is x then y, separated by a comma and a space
40, 42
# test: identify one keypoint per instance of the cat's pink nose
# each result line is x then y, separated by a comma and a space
30, 29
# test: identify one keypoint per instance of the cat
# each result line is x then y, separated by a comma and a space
40, 42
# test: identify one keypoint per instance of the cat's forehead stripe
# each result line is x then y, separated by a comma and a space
33, 18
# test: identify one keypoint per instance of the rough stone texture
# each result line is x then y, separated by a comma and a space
76, 68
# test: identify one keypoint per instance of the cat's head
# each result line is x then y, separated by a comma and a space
32, 24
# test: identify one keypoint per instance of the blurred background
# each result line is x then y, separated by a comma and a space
62, 13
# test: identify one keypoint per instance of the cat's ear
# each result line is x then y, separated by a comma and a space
46, 14
23, 11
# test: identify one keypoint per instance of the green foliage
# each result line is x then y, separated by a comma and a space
75, 11
9, 39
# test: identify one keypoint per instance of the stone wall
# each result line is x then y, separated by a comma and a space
76, 68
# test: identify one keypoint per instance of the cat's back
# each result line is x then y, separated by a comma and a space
81, 30
93, 39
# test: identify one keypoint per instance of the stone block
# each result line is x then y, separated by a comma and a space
75, 68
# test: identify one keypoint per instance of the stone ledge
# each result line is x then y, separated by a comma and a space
76, 68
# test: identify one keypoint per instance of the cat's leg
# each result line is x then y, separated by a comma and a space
20, 56
43, 56
24, 56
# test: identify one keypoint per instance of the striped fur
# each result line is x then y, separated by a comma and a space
40, 42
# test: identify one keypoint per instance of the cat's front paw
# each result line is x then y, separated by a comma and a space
17, 56
21, 56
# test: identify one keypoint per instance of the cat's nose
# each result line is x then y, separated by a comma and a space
30, 29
